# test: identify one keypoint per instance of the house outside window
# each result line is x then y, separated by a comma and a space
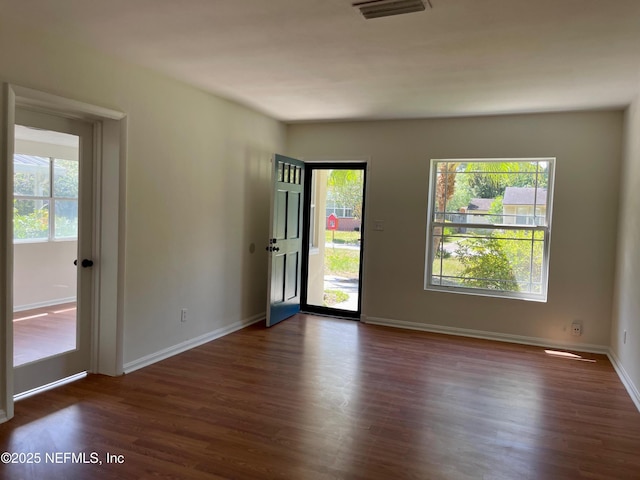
339, 211
489, 227
522, 206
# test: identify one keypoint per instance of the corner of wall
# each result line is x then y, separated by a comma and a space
626, 380
625, 316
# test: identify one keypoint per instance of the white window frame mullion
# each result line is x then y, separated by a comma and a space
52, 207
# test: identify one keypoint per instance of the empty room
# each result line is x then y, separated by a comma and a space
304, 239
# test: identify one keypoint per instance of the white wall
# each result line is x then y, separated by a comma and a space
43, 274
588, 151
197, 189
626, 307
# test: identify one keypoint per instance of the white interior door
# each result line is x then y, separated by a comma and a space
285, 239
53, 225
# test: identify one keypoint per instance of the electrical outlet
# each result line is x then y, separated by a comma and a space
183, 315
576, 329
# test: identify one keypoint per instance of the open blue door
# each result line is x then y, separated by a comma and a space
285, 239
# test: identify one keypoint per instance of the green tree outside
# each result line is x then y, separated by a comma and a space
503, 261
345, 189
490, 258
31, 216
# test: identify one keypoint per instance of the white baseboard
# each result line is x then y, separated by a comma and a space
49, 303
189, 344
500, 337
633, 391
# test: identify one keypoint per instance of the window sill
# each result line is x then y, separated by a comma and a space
43, 240
540, 298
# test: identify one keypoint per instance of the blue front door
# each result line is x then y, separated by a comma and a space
285, 239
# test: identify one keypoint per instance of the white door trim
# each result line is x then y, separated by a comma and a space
109, 228
27, 97
7, 109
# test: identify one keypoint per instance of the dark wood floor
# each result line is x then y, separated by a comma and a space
43, 332
318, 398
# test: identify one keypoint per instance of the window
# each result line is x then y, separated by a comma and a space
45, 202
338, 211
489, 226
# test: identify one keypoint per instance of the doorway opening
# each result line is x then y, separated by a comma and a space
333, 245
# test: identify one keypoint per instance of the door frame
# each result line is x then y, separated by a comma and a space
333, 165
110, 155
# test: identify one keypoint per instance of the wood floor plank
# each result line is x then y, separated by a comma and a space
319, 398
43, 332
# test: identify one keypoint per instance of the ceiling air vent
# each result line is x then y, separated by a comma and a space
386, 8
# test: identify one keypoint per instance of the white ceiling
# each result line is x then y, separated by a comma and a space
306, 60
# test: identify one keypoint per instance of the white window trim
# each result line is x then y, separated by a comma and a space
535, 297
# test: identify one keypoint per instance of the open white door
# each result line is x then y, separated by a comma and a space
53, 208
285, 239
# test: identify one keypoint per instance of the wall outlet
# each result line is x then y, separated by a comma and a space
576, 329
183, 315
378, 225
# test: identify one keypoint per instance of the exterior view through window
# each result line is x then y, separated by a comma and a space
45, 204
488, 227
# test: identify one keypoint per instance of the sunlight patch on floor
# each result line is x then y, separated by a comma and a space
30, 317
568, 355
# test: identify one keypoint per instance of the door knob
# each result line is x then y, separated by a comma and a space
85, 263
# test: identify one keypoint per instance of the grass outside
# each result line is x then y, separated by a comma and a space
451, 267
332, 297
345, 238
341, 262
